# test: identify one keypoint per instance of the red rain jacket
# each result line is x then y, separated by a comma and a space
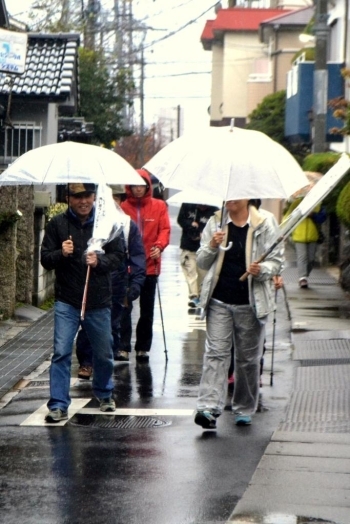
152, 219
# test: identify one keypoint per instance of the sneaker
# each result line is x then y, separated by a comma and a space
85, 372
122, 356
142, 356
206, 419
107, 405
242, 420
303, 283
194, 302
56, 415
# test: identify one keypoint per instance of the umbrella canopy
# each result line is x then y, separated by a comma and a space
68, 162
229, 163
195, 197
313, 177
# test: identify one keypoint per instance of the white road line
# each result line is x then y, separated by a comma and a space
140, 412
38, 417
77, 406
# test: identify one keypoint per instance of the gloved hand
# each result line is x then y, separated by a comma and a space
133, 292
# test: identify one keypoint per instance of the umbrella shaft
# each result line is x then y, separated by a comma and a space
83, 305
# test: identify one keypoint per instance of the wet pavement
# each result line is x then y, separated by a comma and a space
149, 463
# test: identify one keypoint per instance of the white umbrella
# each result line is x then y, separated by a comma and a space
229, 163
195, 197
69, 162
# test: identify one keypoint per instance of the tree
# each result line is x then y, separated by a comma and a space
134, 147
269, 118
103, 96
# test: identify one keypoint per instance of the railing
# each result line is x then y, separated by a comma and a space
18, 139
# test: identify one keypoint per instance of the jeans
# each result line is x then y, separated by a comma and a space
120, 333
97, 324
226, 322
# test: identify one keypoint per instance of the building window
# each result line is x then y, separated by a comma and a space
16, 140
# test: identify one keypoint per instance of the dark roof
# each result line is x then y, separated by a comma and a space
294, 21
51, 67
299, 17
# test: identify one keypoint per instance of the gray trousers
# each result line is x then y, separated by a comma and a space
227, 323
306, 253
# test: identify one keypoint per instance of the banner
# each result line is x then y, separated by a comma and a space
13, 51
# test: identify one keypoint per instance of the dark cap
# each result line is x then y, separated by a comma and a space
79, 188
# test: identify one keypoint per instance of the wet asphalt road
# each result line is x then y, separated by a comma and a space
157, 468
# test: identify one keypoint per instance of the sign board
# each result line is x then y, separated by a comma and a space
13, 51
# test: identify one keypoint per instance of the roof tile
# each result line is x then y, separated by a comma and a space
51, 65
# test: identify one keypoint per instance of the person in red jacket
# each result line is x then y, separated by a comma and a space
152, 219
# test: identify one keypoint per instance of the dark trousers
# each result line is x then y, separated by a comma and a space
144, 327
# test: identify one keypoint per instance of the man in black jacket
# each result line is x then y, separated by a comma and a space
64, 250
192, 218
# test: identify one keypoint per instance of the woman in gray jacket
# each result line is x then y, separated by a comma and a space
236, 311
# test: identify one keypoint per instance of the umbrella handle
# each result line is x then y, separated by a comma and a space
219, 228
226, 248
260, 259
83, 305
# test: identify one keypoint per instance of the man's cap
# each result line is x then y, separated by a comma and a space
118, 189
77, 189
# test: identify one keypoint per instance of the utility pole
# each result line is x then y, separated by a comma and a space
92, 13
320, 94
142, 107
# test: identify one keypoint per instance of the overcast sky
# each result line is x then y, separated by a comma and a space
177, 69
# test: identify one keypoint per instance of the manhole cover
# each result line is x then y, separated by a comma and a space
117, 421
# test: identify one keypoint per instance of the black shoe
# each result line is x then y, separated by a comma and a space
194, 302
206, 419
142, 356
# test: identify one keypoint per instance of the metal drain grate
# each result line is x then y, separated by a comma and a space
117, 421
39, 383
325, 362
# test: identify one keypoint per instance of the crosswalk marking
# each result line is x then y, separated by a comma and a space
38, 417
78, 406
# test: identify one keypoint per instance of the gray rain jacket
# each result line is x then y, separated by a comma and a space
262, 233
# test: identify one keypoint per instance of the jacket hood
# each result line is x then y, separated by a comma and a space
147, 178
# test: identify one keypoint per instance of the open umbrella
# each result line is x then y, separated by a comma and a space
313, 177
194, 197
229, 163
69, 162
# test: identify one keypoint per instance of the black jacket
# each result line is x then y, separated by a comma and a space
71, 271
190, 238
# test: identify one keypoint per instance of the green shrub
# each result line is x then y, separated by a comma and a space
343, 205
48, 304
55, 209
321, 163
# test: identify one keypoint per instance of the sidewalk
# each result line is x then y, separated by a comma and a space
304, 473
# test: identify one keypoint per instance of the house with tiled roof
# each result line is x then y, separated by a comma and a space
249, 59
